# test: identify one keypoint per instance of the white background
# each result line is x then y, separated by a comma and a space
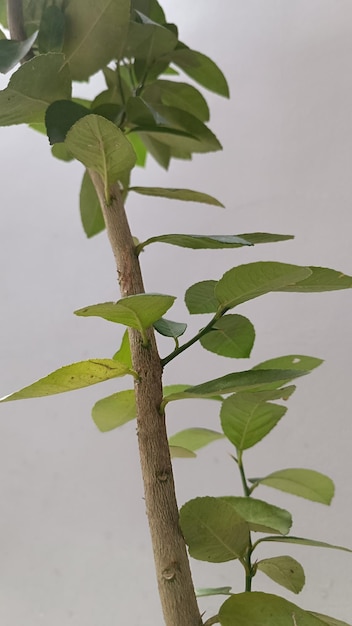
74, 544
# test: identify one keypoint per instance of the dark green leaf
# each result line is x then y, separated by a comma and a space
213, 530
261, 516
305, 483
51, 30
232, 336
285, 571
321, 279
91, 215
200, 297
139, 113
148, 41
60, 116
169, 328
246, 421
178, 95
194, 438
151, 8
263, 609
202, 69
252, 280
158, 151
256, 238
291, 361
11, 52
70, 377
192, 196
32, 88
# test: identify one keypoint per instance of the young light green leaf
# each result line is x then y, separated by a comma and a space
32, 88
95, 34
291, 361
179, 95
101, 147
321, 279
178, 452
178, 194
305, 483
213, 591
90, 209
302, 541
213, 530
330, 621
255, 380
140, 311
285, 571
202, 69
245, 421
139, 148
200, 297
252, 280
11, 51
51, 30
256, 238
168, 328
115, 410
194, 438
263, 609
261, 516
124, 352
70, 377
60, 116
232, 336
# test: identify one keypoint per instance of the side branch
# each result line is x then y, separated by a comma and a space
171, 562
16, 23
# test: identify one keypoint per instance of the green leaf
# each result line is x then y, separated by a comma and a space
255, 380
91, 214
200, 297
138, 112
321, 279
95, 33
197, 242
3, 13
305, 483
256, 238
102, 147
169, 329
51, 30
177, 452
291, 361
159, 152
11, 52
148, 40
124, 353
246, 421
232, 336
202, 69
60, 116
32, 88
249, 281
263, 609
194, 438
70, 377
213, 591
115, 410
331, 621
261, 516
139, 148
285, 571
302, 541
179, 194
213, 531
178, 95
151, 8
59, 151
272, 394
140, 311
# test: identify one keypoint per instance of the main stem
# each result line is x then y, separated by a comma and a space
173, 573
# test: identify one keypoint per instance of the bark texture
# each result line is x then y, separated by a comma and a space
171, 561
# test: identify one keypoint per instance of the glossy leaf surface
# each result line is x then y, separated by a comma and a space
231, 336
168, 328
200, 297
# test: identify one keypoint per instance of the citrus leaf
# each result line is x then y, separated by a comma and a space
70, 377
321, 279
60, 116
305, 483
179, 95
261, 516
194, 438
32, 88
291, 361
101, 147
256, 238
285, 571
168, 328
232, 336
213, 591
90, 209
177, 194
263, 609
331, 621
213, 531
249, 281
200, 297
51, 30
140, 311
124, 352
115, 410
198, 242
178, 452
202, 69
302, 541
11, 52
